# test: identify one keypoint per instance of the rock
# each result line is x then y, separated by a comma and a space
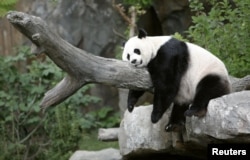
108, 134
138, 132
89, 25
105, 154
174, 16
227, 119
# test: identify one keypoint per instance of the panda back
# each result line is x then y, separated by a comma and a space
201, 64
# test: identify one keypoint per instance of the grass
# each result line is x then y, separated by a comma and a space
90, 142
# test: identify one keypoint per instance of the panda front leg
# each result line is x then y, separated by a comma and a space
162, 100
133, 97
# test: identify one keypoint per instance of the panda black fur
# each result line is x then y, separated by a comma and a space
182, 73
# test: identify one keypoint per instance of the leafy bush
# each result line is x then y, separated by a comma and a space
102, 118
6, 5
138, 3
25, 132
224, 30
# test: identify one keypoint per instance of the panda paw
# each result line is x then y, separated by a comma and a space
130, 108
189, 112
156, 116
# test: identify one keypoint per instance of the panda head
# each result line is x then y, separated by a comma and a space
138, 50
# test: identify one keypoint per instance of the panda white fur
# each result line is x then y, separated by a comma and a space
182, 73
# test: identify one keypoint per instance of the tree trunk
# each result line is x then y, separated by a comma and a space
82, 67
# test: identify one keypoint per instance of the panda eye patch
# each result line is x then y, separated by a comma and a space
128, 56
137, 51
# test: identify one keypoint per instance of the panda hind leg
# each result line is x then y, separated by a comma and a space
177, 119
211, 86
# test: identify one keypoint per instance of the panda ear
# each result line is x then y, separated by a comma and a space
123, 44
142, 33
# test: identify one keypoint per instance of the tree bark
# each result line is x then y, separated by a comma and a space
82, 67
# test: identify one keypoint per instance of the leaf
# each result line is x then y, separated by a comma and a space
37, 108
102, 113
23, 107
7, 2
34, 119
37, 89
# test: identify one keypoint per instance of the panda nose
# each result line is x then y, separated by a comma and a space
133, 61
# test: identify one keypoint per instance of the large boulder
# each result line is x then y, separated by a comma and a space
90, 25
139, 138
138, 132
227, 119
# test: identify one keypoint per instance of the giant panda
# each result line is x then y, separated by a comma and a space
182, 73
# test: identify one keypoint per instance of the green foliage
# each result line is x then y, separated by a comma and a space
102, 118
6, 5
141, 3
179, 37
224, 30
64, 133
24, 131
91, 143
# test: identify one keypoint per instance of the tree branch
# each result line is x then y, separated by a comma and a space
82, 68
239, 84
